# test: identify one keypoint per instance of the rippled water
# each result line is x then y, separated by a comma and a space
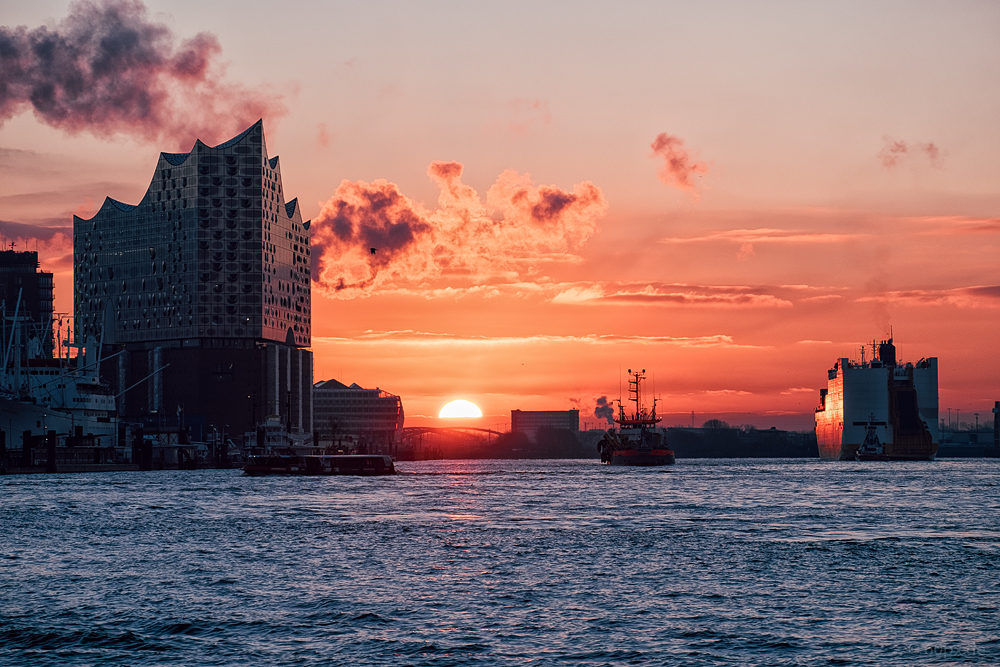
709, 562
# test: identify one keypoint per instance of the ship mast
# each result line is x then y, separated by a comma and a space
635, 396
633, 390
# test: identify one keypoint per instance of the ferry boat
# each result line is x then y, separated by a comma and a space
879, 410
636, 443
346, 464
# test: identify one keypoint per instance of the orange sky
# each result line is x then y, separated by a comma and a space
730, 197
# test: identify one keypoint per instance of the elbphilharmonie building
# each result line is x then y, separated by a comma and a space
207, 277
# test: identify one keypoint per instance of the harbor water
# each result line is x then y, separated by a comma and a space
708, 562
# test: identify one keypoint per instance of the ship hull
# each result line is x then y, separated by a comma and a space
651, 457
16, 417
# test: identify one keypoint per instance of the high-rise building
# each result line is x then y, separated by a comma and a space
28, 291
207, 278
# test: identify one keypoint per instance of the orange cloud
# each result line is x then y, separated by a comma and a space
528, 113
895, 150
323, 135
370, 235
689, 295
107, 70
679, 168
765, 235
974, 296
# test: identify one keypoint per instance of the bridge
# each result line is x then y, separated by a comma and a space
411, 431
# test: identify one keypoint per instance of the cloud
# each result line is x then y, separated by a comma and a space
821, 298
431, 339
679, 168
370, 235
604, 410
528, 113
893, 151
656, 294
975, 296
767, 235
959, 225
322, 135
53, 244
19, 230
108, 70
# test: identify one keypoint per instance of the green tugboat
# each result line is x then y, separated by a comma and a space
636, 443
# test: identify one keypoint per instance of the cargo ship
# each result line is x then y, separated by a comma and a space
637, 443
879, 410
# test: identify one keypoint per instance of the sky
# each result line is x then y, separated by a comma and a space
730, 196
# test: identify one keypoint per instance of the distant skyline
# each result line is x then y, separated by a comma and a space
731, 196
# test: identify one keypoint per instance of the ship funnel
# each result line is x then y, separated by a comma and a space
887, 353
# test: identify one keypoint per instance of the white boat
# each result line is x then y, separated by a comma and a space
64, 395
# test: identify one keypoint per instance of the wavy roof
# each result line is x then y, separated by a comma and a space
238, 138
178, 159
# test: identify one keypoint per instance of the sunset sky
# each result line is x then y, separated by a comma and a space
729, 195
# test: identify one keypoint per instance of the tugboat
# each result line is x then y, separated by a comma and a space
636, 443
871, 449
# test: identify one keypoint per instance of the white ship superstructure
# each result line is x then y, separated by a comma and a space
54, 395
879, 409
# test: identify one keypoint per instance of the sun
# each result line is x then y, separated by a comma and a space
460, 409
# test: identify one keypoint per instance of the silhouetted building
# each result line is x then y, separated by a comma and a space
367, 418
207, 277
21, 279
529, 421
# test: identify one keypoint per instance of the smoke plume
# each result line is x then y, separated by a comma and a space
107, 69
370, 234
679, 168
604, 410
893, 151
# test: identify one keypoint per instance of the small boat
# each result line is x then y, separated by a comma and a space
636, 443
871, 449
345, 464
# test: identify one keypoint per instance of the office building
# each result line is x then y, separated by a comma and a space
369, 419
529, 421
28, 292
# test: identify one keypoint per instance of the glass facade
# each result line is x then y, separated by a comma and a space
201, 293
213, 250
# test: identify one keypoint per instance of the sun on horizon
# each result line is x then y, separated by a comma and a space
460, 409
